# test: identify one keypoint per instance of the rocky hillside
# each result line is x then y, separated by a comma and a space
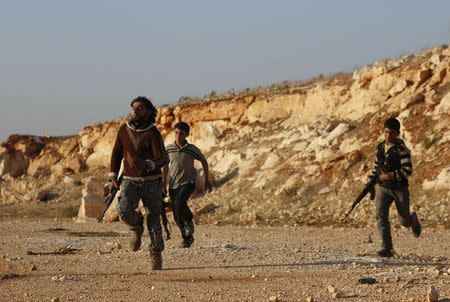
291, 153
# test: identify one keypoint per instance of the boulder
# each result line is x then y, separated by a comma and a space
111, 213
383, 83
412, 100
13, 163
436, 59
92, 200
441, 181
423, 75
41, 165
444, 106
271, 161
398, 87
200, 182
74, 164
205, 135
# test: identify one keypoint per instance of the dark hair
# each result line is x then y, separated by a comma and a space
148, 105
392, 123
183, 126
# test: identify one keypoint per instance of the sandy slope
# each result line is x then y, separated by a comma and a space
82, 262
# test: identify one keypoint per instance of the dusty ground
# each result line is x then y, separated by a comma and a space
50, 259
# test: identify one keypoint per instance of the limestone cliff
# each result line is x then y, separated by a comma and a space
289, 153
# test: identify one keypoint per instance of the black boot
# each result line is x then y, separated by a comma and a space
416, 227
385, 253
156, 261
189, 228
187, 241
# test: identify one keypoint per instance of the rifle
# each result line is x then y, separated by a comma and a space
165, 221
368, 188
109, 199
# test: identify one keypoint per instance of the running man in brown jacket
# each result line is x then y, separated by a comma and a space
141, 148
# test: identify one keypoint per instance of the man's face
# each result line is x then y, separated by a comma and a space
390, 135
180, 136
138, 111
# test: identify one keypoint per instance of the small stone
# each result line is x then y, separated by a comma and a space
331, 289
273, 299
55, 299
8, 275
33, 267
112, 246
367, 280
309, 299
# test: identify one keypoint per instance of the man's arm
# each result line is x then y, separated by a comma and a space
205, 166
116, 160
165, 171
160, 158
376, 169
406, 167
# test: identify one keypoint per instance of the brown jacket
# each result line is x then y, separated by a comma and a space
143, 152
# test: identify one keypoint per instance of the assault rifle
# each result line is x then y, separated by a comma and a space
368, 188
109, 199
165, 221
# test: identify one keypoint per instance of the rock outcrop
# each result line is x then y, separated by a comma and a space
290, 153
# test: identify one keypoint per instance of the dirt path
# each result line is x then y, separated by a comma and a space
45, 260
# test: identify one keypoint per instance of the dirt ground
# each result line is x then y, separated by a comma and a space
61, 260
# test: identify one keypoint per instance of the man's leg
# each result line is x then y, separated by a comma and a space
407, 219
127, 212
383, 202
152, 200
176, 208
184, 214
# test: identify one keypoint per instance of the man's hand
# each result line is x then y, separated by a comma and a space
142, 165
164, 191
113, 184
384, 176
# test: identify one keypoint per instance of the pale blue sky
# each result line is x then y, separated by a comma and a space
65, 64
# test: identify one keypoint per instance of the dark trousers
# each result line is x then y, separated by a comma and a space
383, 201
150, 194
181, 211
